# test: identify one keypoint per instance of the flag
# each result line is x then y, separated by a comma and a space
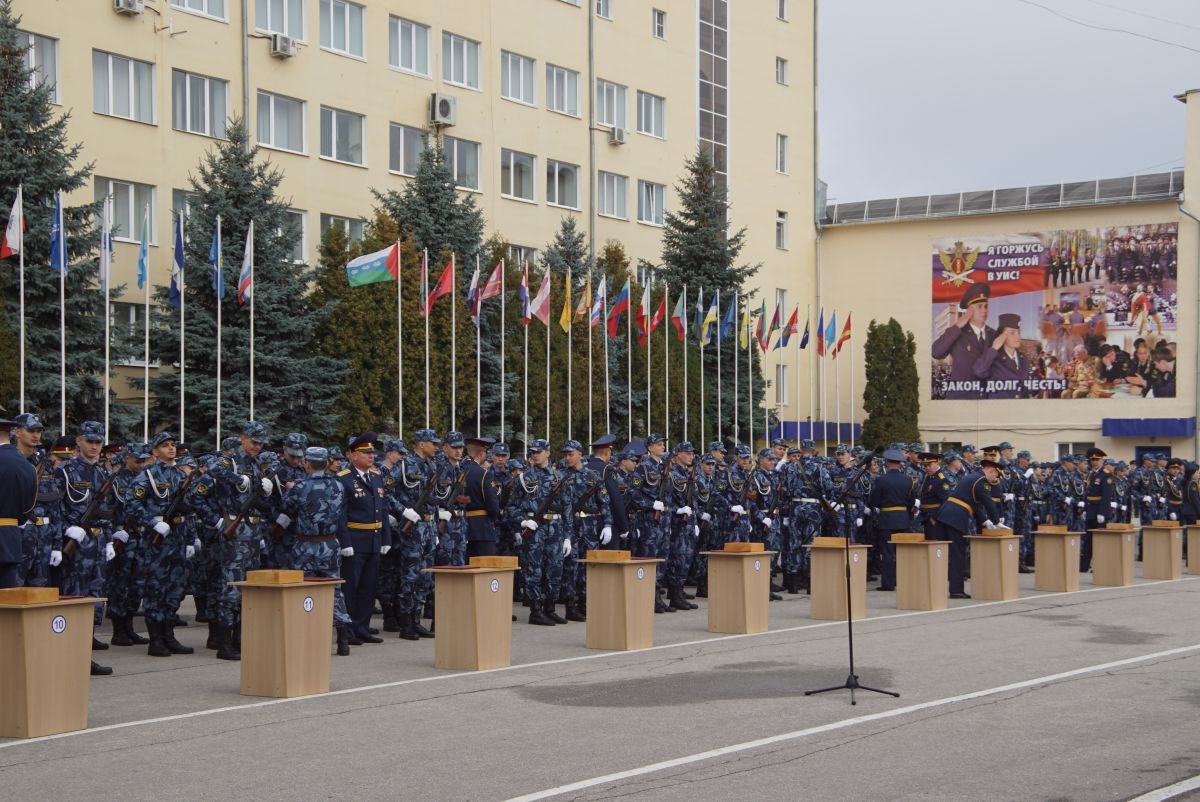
473, 296
174, 296
372, 268
776, 319
789, 330
821, 333
727, 323
214, 259
144, 250
585, 301
620, 306
444, 286
643, 316
246, 277
699, 318
491, 288
844, 338
564, 320
597, 313
11, 246
655, 320
541, 302
523, 295
804, 339
831, 334
710, 320
679, 319
106, 244
424, 282
744, 329
57, 257
762, 333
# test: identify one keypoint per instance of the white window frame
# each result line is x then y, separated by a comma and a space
781, 384
181, 202
337, 119
450, 151
272, 96
554, 169
264, 22
354, 226
781, 230
562, 90
214, 119
133, 211
131, 80
509, 162
303, 247
519, 255
781, 299
135, 313
652, 203
329, 11
33, 62
781, 10
658, 23
524, 81
404, 132
604, 9
610, 104
612, 191
651, 115
202, 8
781, 71
397, 41
460, 51
781, 153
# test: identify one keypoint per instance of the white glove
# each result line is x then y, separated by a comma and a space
163, 528
262, 544
685, 510
189, 552
121, 535
1146, 499
392, 522
1009, 497
695, 531
1028, 472
1003, 525
518, 541
347, 552
55, 558
566, 548
1173, 517
738, 509
196, 545
988, 524
110, 552
917, 504
283, 521
623, 536
267, 486
410, 514
1069, 501
767, 522
605, 535
1080, 504
838, 507
858, 521
704, 516
659, 506
1113, 504
1099, 519
444, 515
1124, 508
529, 524
384, 549
1162, 499
75, 533
218, 524
243, 483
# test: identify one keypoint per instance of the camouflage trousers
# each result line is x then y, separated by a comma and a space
803, 525
680, 549
586, 538
83, 575
321, 559
234, 557
164, 574
542, 562
650, 534
125, 577
416, 553
452, 544
204, 570
36, 545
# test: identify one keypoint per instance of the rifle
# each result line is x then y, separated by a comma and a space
176, 503
459, 483
662, 486
90, 512
421, 502
687, 490
230, 532
538, 516
742, 499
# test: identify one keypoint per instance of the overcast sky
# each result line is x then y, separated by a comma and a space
932, 96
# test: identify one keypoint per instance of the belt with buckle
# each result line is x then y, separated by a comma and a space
893, 509
249, 519
551, 516
806, 500
963, 504
371, 527
95, 531
426, 517
458, 513
586, 514
476, 513
8, 522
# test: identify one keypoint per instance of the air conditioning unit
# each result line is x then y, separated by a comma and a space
443, 109
282, 46
129, 6
616, 136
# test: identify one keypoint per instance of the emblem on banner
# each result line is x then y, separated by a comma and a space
958, 264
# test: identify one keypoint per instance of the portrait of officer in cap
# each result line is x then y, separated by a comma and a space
965, 341
1004, 367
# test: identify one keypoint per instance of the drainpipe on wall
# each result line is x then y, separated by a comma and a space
246, 70
1196, 436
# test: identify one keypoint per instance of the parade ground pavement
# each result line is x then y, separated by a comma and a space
1092, 695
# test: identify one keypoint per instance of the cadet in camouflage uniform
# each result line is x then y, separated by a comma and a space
418, 534
540, 488
591, 529
42, 532
851, 507
619, 480
391, 468
126, 573
809, 485
678, 548
651, 524
739, 528
286, 472
763, 503
452, 526
206, 523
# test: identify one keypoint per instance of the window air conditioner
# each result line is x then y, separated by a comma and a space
282, 46
443, 109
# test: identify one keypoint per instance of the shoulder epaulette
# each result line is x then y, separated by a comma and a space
343, 472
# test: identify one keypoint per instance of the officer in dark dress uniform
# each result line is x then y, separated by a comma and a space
364, 534
18, 494
483, 506
934, 491
893, 496
971, 502
1101, 503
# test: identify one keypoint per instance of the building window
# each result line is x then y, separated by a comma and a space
404, 148
342, 27
610, 195
280, 122
651, 202
342, 135
781, 300
181, 202
408, 46
133, 316
562, 184
280, 16
519, 255
353, 226
658, 23
781, 153
781, 71
460, 60
198, 103
209, 8
299, 254
713, 86
122, 87
651, 113
516, 174
462, 159
610, 104
781, 384
516, 77
781, 9
1066, 449
604, 8
130, 200
562, 90
781, 230
41, 57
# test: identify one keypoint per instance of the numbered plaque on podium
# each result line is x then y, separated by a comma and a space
473, 610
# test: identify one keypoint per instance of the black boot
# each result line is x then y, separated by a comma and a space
177, 621
659, 605
538, 617
421, 631
130, 633
408, 625
201, 616
228, 649
574, 613
98, 645
169, 640
343, 642
214, 636
702, 588
775, 586
120, 636
99, 670
553, 615
1023, 568
390, 622
157, 647
675, 594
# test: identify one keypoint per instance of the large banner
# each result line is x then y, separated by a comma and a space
1057, 314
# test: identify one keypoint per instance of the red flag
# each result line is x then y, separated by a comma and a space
844, 338
443, 287
492, 288
656, 320
11, 244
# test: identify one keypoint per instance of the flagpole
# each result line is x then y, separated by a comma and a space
588, 311
478, 383
503, 375
604, 323
685, 366
737, 401
852, 410
182, 339
666, 364
220, 268
629, 373
525, 389
646, 323
399, 342
717, 323
837, 396
812, 399
105, 278
145, 335
824, 409
62, 312
571, 314
425, 312
21, 268
547, 278
798, 382
750, 380
453, 346
250, 239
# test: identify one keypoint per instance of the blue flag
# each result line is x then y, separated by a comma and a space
144, 251
58, 261
214, 259
727, 323
174, 294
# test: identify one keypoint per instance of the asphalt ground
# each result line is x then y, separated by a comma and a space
1083, 696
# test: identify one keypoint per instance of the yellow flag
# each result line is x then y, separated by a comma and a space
744, 339
564, 320
585, 301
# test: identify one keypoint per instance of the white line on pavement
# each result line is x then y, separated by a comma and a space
1170, 791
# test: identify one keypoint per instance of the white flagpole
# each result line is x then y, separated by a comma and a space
852, 410
525, 387
62, 312
21, 268
478, 332
253, 292
646, 323
570, 316
703, 431
220, 267
629, 373
425, 312
812, 399
717, 325
548, 326
604, 324
797, 401
737, 401
105, 278
750, 378
685, 365
837, 397
824, 408
503, 375
146, 334
588, 328
666, 324
182, 339
399, 342
453, 345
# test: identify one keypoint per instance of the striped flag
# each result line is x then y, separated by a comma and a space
821, 333
831, 334
564, 320
710, 320
789, 330
679, 318
541, 302
845, 338
473, 296
11, 246
597, 313
491, 288
143, 260
523, 295
174, 293
246, 277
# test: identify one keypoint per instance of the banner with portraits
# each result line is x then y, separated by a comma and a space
1079, 313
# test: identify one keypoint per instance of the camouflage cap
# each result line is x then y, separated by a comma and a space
267, 458
1005, 444
842, 448
335, 452
717, 445
187, 461
501, 450
808, 443
779, 441
316, 454
793, 450
255, 431
572, 445
766, 453
655, 437
744, 451
516, 464
137, 450
627, 455
295, 443
160, 438
27, 420
685, 446
708, 459
426, 436
540, 444
92, 430
1024, 455
455, 439
229, 443
968, 449
395, 445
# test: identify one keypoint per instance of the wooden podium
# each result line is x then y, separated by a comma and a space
995, 557
1056, 559
739, 586
473, 609
828, 565
620, 600
45, 657
287, 626
1162, 550
1112, 554
922, 568
1193, 552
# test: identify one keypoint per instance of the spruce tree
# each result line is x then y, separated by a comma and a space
891, 397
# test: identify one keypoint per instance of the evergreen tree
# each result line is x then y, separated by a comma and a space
891, 397
295, 385
35, 153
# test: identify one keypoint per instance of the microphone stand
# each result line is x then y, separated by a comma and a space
851, 684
